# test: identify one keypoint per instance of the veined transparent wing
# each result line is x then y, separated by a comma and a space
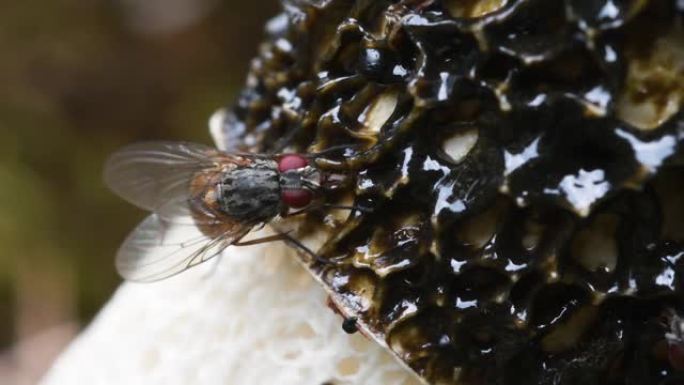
155, 176
169, 179
159, 249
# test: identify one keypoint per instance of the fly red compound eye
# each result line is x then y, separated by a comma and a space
292, 162
296, 199
293, 194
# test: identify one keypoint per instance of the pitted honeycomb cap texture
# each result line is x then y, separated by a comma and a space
520, 165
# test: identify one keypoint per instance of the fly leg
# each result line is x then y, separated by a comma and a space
272, 238
350, 208
287, 238
258, 241
327, 206
296, 243
283, 142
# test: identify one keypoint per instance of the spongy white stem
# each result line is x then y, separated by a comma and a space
259, 318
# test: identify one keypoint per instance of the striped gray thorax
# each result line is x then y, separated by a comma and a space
251, 194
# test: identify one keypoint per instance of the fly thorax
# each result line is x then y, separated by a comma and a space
251, 194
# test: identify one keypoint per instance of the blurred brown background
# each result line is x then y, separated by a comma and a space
77, 80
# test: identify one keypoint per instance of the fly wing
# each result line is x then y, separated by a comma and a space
158, 176
159, 249
155, 176
183, 231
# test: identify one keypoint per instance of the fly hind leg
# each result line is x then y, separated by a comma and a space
285, 237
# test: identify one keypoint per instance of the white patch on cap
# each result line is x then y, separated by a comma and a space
459, 146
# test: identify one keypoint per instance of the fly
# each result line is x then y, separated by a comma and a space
221, 196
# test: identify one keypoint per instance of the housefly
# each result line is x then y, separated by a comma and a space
219, 196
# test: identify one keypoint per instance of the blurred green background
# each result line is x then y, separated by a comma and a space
78, 79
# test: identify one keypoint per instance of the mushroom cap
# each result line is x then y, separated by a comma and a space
518, 165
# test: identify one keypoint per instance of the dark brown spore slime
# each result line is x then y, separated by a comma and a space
524, 164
